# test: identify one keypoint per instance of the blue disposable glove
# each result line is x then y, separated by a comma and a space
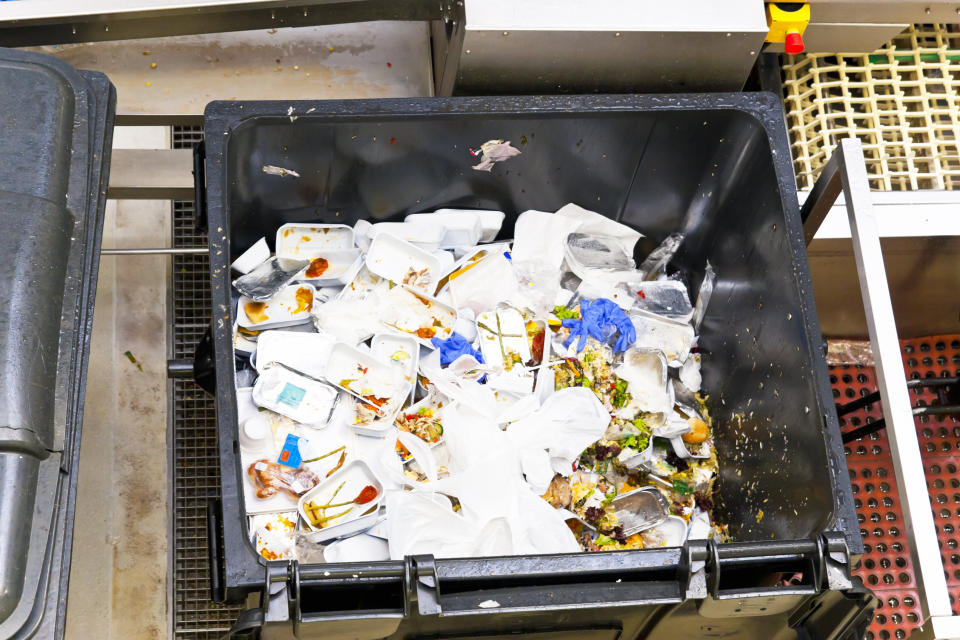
594, 318
587, 325
454, 347
628, 333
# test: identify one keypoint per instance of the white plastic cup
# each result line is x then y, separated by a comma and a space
255, 433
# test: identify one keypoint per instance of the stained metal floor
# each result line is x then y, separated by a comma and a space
195, 461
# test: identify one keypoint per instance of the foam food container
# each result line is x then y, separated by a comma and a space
403, 263
290, 306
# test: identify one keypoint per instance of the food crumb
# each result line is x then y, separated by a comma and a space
132, 359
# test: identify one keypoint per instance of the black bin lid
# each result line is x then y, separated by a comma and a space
56, 127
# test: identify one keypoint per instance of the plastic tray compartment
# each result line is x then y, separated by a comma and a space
716, 166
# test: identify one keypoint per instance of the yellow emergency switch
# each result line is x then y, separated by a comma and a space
787, 22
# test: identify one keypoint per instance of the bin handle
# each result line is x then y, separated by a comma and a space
200, 187
213, 550
810, 553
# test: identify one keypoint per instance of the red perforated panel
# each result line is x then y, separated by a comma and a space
886, 566
849, 383
944, 485
935, 357
886, 562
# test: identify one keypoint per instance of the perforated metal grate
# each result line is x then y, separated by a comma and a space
196, 465
886, 566
901, 101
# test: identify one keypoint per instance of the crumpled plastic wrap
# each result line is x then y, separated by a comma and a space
655, 262
567, 423
703, 296
348, 320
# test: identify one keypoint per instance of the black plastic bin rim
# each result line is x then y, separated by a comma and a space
226, 116
221, 118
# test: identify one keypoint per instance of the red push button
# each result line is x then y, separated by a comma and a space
793, 43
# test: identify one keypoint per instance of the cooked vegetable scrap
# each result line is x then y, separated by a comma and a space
320, 518
424, 424
536, 336
559, 493
304, 300
699, 431
317, 268
565, 314
343, 458
592, 368
620, 396
416, 278
256, 311
367, 494
326, 455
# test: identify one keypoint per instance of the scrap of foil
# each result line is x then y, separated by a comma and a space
265, 280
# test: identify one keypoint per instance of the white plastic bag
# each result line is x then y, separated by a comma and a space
486, 284
358, 548
537, 469
587, 221
424, 523
350, 321
388, 466
538, 237
569, 421
546, 530
468, 434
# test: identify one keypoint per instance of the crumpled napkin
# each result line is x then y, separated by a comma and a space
493, 151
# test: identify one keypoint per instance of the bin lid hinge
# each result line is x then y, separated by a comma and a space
424, 591
836, 561
693, 568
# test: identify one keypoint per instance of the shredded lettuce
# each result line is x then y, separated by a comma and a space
682, 488
610, 495
620, 396
604, 541
565, 314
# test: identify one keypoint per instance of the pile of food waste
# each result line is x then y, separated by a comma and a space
424, 387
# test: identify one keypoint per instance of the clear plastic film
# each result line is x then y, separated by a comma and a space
668, 298
654, 264
703, 297
598, 252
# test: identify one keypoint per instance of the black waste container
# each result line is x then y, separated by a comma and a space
56, 125
714, 166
